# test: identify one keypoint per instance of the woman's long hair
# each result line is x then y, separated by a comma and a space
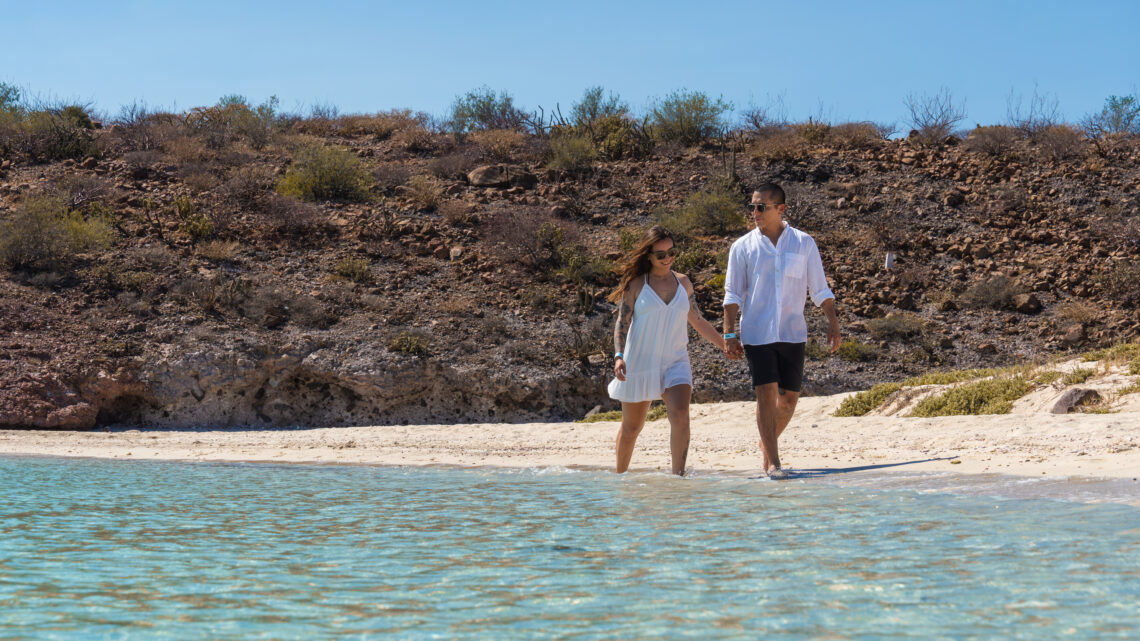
637, 262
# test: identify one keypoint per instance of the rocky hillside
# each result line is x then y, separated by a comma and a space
189, 270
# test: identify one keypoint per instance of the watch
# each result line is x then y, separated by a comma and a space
730, 336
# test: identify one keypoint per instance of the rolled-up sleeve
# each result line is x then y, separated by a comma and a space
817, 280
736, 277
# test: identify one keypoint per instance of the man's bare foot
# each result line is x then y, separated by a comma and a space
777, 474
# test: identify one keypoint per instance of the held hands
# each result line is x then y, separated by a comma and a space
733, 349
619, 368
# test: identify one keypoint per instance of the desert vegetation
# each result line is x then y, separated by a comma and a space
488, 235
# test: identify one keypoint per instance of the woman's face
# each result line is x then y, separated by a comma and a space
663, 253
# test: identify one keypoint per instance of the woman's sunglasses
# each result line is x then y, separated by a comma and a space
667, 253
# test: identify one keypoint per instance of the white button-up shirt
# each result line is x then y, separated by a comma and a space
770, 284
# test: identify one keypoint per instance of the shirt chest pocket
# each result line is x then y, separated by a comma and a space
794, 265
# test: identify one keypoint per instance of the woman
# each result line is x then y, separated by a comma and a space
655, 306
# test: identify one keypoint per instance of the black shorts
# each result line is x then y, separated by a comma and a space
781, 363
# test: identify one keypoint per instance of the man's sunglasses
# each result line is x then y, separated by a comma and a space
667, 253
760, 207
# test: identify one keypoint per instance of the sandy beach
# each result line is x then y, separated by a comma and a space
1026, 443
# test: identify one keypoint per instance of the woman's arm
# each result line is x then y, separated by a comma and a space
621, 327
697, 320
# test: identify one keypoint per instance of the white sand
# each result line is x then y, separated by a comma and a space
724, 438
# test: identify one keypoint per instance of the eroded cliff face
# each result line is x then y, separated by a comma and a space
237, 384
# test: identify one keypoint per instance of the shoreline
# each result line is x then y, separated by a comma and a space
1085, 447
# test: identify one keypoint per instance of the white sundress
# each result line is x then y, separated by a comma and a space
657, 348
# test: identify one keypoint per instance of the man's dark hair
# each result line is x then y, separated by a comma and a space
777, 192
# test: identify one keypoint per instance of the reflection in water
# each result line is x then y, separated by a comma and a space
97, 549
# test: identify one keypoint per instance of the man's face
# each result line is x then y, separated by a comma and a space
764, 212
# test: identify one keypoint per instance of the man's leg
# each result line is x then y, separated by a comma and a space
768, 422
677, 402
785, 407
632, 420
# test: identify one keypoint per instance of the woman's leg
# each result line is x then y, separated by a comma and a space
632, 420
677, 402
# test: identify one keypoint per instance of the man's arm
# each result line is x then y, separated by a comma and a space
735, 291
833, 337
821, 295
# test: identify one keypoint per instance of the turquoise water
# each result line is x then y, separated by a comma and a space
100, 549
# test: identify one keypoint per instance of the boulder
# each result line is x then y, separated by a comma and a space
501, 176
1073, 336
1026, 303
1073, 398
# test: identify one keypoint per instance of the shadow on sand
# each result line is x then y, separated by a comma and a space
828, 471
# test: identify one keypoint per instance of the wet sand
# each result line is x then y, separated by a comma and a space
724, 439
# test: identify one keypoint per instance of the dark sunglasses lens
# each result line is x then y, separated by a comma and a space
671, 252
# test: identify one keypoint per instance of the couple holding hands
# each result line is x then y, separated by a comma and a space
771, 270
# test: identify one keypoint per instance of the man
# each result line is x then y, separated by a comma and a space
770, 271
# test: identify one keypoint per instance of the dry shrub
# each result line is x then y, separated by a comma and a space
455, 212
996, 141
390, 176
531, 236
895, 326
1078, 312
219, 250
996, 292
780, 145
199, 179
453, 166
1123, 282
1058, 142
426, 192
248, 186
498, 144
186, 150
85, 192
856, 135
249, 190
413, 139
139, 129
813, 133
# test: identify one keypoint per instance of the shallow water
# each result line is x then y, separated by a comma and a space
103, 549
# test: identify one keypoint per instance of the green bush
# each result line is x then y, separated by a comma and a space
710, 212
1120, 116
948, 378
480, 109
851, 350
409, 343
325, 173
52, 134
44, 234
990, 396
571, 153
1077, 376
865, 401
689, 117
357, 270
594, 108
1045, 378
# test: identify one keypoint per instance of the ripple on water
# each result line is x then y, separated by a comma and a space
99, 549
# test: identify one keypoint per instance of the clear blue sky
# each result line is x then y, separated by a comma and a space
844, 60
